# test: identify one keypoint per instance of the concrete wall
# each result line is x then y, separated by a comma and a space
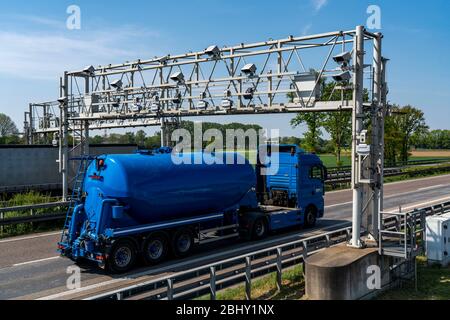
35, 167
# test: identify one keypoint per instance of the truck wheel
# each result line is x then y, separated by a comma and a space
259, 229
155, 249
122, 257
183, 243
310, 218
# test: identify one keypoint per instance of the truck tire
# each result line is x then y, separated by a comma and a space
260, 229
182, 243
155, 249
123, 256
310, 217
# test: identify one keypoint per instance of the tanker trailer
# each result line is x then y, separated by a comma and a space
149, 204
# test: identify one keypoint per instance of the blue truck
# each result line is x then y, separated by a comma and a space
146, 205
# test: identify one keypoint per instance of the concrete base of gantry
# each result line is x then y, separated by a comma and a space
344, 273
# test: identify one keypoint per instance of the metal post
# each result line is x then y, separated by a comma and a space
169, 289
279, 269
248, 278
2, 217
377, 143
163, 132
30, 130
384, 92
85, 141
415, 275
65, 136
46, 122
213, 283
358, 83
86, 147
305, 250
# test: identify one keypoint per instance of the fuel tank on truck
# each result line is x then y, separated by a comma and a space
153, 188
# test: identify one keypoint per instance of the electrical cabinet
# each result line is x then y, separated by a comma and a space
438, 237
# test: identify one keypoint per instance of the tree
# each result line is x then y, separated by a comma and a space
7, 127
410, 121
140, 138
338, 124
96, 140
435, 139
314, 122
401, 130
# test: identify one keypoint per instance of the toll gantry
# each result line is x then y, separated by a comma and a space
269, 77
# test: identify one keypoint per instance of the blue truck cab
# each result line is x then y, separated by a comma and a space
291, 195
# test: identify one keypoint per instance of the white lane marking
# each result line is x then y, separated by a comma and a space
338, 205
392, 196
398, 182
181, 264
415, 180
94, 286
432, 187
30, 237
35, 261
418, 205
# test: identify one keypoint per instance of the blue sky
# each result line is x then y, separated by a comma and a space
36, 47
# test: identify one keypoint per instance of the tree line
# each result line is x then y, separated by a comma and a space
405, 129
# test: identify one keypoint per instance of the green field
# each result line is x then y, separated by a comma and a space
329, 160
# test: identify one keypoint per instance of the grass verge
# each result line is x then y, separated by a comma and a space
265, 288
433, 284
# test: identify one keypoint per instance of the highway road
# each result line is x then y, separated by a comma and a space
31, 269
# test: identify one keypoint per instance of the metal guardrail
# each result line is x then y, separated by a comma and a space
399, 164
33, 217
339, 177
213, 277
220, 275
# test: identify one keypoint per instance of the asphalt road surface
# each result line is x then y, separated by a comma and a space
31, 269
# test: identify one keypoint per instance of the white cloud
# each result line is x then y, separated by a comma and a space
306, 29
46, 55
38, 20
319, 4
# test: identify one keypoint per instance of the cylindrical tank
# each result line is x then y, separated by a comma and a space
154, 188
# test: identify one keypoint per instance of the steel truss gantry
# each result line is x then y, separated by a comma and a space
259, 78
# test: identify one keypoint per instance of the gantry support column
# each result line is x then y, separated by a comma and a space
163, 132
85, 135
64, 136
377, 151
357, 127
384, 111
31, 126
